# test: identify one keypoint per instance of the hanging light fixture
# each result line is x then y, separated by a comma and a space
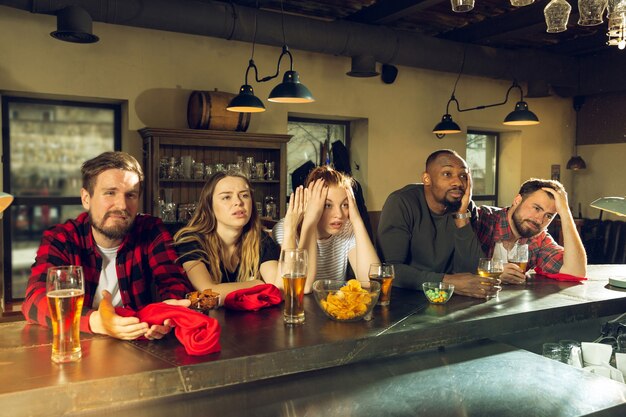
617, 31
521, 3
462, 6
590, 12
616, 14
556, 14
291, 90
576, 163
520, 116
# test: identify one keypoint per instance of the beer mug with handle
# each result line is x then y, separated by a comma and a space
65, 291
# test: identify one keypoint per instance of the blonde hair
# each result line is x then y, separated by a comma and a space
202, 229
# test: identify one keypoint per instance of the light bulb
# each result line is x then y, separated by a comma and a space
621, 44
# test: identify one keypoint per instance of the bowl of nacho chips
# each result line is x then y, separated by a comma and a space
346, 301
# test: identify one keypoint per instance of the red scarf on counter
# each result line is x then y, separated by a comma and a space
558, 276
254, 298
199, 334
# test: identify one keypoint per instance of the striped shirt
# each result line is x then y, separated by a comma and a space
332, 253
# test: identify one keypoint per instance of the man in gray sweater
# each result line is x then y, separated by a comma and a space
425, 230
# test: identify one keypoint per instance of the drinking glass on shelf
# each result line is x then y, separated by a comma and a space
260, 170
65, 291
293, 266
519, 255
270, 170
384, 274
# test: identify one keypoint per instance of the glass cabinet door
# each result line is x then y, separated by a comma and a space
45, 143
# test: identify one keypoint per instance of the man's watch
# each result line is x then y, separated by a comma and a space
461, 216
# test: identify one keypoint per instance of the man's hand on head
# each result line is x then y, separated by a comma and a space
560, 200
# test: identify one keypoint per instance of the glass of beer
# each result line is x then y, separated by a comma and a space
65, 291
491, 268
292, 264
383, 273
488, 267
518, 255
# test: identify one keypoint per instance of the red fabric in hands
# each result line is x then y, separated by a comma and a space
254, 298
199, 334
559, 276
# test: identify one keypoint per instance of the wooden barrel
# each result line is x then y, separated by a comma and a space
207, 110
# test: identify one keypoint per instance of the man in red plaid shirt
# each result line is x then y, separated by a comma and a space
525, 222
123, 254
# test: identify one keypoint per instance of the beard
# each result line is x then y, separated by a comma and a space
452, 206
524, 230
112, 232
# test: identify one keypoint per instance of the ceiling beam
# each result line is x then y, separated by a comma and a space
516, 19
386, 11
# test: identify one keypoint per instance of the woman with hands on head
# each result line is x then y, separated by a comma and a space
223, 247
323, 218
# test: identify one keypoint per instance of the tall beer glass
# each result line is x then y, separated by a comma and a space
383, 273
293, 263
65, 290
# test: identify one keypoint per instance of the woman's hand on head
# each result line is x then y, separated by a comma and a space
297, 205
317, 194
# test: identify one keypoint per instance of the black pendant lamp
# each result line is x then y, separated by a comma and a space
521, 116
446, 126
291, 90
246, 101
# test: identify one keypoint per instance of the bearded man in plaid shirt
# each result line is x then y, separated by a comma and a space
525, 222
124, 254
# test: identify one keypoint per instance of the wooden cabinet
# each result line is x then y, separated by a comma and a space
210, 147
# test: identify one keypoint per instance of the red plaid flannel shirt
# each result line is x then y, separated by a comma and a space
145, 259
492, 226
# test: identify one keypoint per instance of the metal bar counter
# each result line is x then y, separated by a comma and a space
258, 350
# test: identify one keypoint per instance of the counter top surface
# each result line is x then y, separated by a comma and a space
258, 346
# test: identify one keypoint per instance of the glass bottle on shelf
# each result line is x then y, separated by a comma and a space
270, 207
251, 168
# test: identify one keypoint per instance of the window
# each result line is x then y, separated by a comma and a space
45, 143
482, 158
311, 141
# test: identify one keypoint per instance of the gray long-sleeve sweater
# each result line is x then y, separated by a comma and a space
424, 246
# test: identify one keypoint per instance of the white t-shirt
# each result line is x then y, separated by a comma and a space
108, 278
332, 253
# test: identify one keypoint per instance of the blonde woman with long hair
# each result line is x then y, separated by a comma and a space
223, 247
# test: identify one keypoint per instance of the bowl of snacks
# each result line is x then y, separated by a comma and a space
438, 292
346, 301
203, 301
